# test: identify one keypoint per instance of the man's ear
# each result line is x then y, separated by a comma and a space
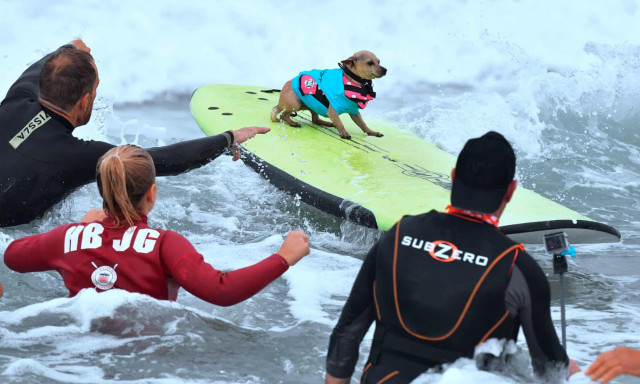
453, 174
350, 62
84, 102
510, 190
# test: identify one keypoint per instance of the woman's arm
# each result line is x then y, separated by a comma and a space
36, 253
188, 268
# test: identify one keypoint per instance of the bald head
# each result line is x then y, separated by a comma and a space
68, 74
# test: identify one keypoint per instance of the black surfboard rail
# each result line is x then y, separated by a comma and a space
309, 194
578, 231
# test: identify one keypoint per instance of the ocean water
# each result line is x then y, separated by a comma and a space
559, 79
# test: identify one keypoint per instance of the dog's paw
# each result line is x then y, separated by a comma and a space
289, 122
343, 133
376, 134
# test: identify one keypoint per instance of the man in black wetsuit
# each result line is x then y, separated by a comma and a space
438, 284
41, 161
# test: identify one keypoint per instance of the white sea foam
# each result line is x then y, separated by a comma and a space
159, 47
479, 65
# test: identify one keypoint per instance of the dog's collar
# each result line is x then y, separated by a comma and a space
353, 75
366, 83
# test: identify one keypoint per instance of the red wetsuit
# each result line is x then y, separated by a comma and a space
139, 259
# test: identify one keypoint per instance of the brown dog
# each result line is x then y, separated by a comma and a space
332, 92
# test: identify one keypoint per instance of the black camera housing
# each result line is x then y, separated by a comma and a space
556, 243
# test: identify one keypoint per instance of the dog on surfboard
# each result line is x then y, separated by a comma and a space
332, 92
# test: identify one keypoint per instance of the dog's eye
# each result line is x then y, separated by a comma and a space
370, 62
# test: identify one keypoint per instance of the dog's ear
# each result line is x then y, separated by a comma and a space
350, 62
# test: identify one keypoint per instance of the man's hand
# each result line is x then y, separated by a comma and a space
620, 361
294, 247
79, 44
94, 215
243, 134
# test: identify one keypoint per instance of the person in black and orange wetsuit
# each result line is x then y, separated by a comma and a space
42, 162
116, 248
440, 283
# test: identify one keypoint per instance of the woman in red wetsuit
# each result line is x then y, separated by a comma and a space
115, 248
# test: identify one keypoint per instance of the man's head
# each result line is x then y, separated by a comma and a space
69, 80
484, 173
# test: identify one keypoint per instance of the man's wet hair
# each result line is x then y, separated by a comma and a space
67, 75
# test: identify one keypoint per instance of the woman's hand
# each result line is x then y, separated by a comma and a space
294, 247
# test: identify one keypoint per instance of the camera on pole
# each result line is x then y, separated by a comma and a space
557, 245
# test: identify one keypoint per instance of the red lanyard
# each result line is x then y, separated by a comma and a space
486, 217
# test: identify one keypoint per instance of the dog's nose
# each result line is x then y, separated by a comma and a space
384, 71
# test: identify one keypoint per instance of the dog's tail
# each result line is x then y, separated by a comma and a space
275, 112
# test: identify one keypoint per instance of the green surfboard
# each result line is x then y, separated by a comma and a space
370, 180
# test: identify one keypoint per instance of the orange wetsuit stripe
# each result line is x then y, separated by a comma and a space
514, 261
486, 336
466, 307
388, 377
366, 367
375, 301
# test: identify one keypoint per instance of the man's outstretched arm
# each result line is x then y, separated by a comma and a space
187, 155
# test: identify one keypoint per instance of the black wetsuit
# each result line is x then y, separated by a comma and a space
41, 162
437, 285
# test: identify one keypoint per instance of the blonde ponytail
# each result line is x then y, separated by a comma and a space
124, 175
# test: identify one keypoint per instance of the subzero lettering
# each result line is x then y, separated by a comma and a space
444, 251
443, 248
